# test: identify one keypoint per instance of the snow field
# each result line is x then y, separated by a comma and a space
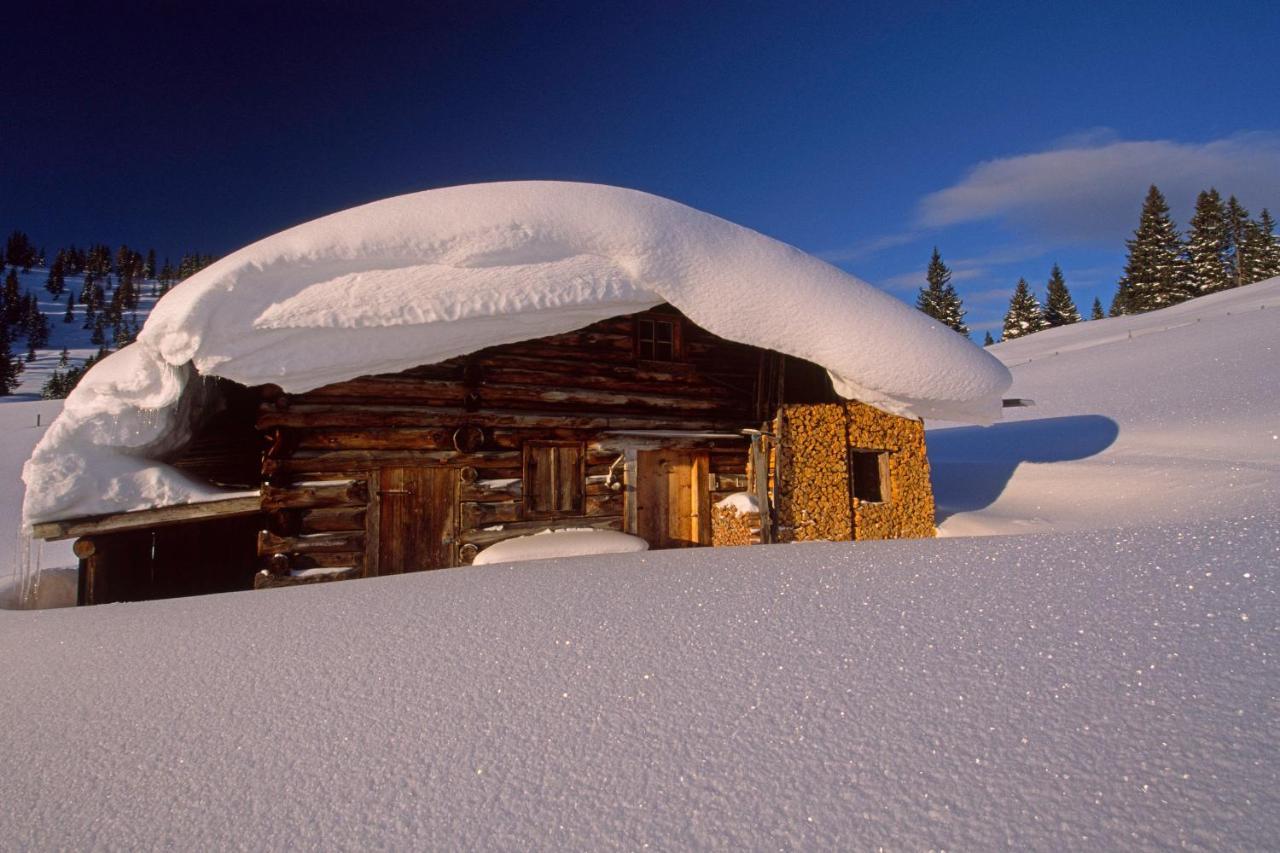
1099, 689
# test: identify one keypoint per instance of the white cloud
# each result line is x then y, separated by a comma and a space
1090, 187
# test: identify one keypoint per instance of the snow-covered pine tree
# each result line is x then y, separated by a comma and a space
1059, 308
987, 340
1154, 273
1207, 243
939, 299
1025, 315
1238, 240
10, 367
1097, 310
1267, 264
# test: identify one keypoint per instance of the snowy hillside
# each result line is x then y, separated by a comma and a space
1167, 416
73, 336
1105, 681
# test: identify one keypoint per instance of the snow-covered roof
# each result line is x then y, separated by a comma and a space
423, 277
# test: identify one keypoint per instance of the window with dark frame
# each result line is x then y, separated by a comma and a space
869, 473
657, 340
554, 478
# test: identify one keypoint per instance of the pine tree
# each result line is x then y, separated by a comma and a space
1059, 308
1237, 241
1025, 315
56, 281
1097, 310
13, 301
19, 251
987, 340
1266, 263
149, 270
1208, 242
939, 298
64, 357
1154, 273
70, 315
10, 367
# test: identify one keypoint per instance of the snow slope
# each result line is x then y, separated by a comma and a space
423, 277
1105, 687
1112, 689
1167, 416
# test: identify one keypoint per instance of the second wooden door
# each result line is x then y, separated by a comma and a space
673, 506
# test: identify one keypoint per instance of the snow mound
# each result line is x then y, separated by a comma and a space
424, 277
550, 544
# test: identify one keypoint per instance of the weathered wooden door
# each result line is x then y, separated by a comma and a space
417, 510
673, 506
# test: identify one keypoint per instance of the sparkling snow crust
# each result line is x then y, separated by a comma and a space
424, 277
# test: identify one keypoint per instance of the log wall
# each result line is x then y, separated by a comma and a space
475, 415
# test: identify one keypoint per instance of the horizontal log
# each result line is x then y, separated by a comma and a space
146, 518
509, 489
604, 505
484, 538
376, 438
266, 580
337, 559
355, 492
475, 514
331, 519
372, 415
357, 460
315, 543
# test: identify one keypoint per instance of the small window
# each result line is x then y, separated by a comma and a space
869, 470
657, 340
553, 478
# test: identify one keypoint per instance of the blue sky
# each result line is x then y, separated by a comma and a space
1009, 135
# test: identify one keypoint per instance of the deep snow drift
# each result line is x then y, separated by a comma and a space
423, 277
1167, 416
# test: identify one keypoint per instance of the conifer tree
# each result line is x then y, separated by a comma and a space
1266, 254
1024, 316
64, 357
149, 270
70, 315
1059, 308
56, 281
13, 301
1238, 240
10, 367
19, 251
1154, 273
1208, 267
939, 298
1097, 310
987, 340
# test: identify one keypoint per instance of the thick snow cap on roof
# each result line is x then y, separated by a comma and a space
423, 277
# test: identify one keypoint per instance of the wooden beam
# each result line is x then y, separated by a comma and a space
144, 518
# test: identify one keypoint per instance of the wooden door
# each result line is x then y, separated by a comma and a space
416, 509
673, 506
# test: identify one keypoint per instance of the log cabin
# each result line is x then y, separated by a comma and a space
643, 421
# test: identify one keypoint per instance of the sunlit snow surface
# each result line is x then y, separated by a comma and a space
1109, 687
1092, 690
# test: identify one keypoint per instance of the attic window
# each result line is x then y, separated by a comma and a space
554, 477
657, 340
869, 472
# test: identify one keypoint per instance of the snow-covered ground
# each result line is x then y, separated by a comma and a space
1105, 681
1168, 416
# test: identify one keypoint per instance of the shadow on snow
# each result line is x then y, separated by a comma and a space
972, 465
